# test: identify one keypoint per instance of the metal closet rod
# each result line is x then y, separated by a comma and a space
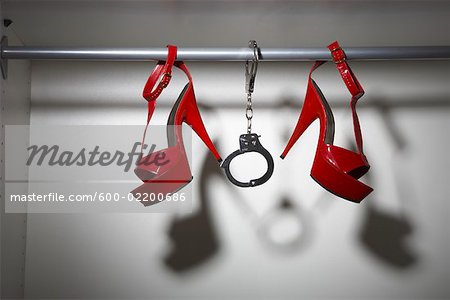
224, 54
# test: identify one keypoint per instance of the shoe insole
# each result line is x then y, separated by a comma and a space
171, 138
329, 131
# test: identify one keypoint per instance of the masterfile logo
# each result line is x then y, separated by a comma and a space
85, 169
54, 155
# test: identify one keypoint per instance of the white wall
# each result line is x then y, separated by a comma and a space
404, 115
15, 110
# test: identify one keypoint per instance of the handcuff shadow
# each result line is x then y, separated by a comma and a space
275, 239
194, 237
297, 242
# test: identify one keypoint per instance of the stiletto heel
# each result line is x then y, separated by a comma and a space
174, 173
193, 119
336, 169
307, 116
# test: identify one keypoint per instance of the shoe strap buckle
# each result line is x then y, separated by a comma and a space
338, 57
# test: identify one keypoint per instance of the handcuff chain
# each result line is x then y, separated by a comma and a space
249, 112
251, 68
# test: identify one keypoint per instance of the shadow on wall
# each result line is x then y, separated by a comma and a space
286, 228
194, 238
385, 235
382, 234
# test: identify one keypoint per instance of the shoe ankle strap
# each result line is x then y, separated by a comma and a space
164, 69
339, 58
353, 86
350, 81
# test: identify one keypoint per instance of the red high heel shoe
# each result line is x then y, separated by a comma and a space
336, 169
170, 177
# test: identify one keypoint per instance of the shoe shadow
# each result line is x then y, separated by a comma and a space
194, 237
384, 235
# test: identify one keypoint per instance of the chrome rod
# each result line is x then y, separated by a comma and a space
224, 54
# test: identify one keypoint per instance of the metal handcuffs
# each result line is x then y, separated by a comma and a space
249, 142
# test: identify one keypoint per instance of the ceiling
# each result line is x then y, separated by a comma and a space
228, 23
